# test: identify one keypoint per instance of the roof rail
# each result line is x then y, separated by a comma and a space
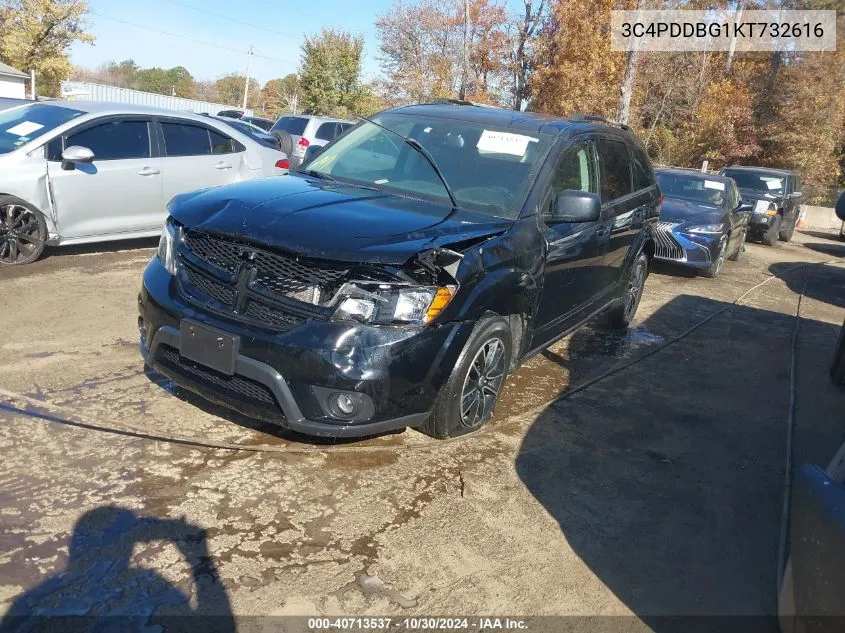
597, 118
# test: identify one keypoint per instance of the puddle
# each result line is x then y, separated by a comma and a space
590, 343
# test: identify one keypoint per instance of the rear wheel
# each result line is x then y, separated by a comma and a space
770, 237
739, 253
788, 231
23, 232
467, 400
621, 315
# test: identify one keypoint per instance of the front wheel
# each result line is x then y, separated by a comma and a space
23, 232
622, 314
467, 400
718, 261
788, 231
739, 253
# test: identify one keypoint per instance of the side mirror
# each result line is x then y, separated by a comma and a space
572, 205
795, 195
76, 154
840, 207
743, 207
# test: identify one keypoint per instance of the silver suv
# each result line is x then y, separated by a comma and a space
307, 131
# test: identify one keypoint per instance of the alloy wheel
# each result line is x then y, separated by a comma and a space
482, 383
634, 291
20, 234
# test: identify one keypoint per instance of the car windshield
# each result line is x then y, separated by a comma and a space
757, 181
23, 124
488, 168
291, 124
692, 187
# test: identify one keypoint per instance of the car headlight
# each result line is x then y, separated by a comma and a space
705, 228
390, 303
171, 235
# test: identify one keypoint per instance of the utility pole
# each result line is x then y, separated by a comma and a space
246, 83
467, 31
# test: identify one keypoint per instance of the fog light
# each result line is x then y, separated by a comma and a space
344, 403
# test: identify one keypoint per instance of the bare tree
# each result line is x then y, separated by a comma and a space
522, 58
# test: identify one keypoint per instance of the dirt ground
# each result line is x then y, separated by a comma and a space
655, 491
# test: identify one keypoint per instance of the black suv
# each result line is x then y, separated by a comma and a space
399, 276
775, 196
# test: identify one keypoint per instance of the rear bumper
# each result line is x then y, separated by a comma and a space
286, 378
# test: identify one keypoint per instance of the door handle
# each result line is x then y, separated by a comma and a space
223, 165
148, 171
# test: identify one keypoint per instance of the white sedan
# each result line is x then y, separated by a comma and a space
73, 172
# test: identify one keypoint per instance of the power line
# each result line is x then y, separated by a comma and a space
230, 19
191, 39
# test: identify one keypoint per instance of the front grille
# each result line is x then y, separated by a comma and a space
289, 276
235, 387
211, 267
665, 244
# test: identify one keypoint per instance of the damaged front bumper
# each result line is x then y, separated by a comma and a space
389, 375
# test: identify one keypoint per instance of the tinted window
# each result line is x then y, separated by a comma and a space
693, 186
575, 170
615, 165
23, 124
114, 141
342, 127
766, 182
643, 174
326, 131
185, 140
264, 124
291, 124
221, 144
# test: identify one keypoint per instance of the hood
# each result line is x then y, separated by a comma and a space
678, 210
329, 220
752, 195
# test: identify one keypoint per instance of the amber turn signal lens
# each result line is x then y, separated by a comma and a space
438, 304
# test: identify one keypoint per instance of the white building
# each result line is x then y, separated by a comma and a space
12, 82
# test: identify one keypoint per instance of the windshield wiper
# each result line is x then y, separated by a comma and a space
317, 174
425, 154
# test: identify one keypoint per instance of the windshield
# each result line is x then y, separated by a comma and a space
23, 124
757, 181
691, 187
489, 169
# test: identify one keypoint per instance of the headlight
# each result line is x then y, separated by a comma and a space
705, 228
388, 303
171, 235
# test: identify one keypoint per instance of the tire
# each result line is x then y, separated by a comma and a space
718, 263
771, 237
739, 254
23, 232
837, 367
620, 316
787, 233
491, 337
285, 142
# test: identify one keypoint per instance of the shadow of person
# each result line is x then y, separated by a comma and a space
102, 591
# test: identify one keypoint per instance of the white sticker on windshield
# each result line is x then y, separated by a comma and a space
773, 183
24, 129
714, 184
504, 143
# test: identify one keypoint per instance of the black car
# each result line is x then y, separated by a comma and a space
256, 134
257, 121
404, 271
702, 220
775, 195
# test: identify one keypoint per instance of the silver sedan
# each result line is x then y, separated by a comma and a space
73, 172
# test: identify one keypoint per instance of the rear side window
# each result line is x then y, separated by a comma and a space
643, 174
292, 124
186, 140
326, 132
615, 169
222, 144
115, 140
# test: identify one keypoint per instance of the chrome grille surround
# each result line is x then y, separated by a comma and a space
665, 244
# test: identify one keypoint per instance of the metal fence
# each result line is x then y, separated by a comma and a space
112, 94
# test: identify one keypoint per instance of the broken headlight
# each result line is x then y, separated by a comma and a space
171, 235
391, 303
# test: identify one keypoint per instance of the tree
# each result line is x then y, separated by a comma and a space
230, 90
523, 59
330, 74
279, 96
36, 35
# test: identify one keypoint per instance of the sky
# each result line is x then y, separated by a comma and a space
210, 37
